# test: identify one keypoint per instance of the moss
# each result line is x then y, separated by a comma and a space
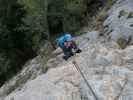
130, 15
81, 32
44, 68
102, 15
109, 4
125, 13
78, 33
122, 13
23, 79
45, 55
36, 41
122, 43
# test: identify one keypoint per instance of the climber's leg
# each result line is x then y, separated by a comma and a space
67, 53
75, 47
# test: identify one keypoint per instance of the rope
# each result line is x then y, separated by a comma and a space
83, 76
122, 89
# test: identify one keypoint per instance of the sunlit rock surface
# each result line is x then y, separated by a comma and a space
119, 23
108, 70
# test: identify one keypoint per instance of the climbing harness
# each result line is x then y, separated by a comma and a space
83, 76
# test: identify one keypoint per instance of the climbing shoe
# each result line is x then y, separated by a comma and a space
66, 57
78, 51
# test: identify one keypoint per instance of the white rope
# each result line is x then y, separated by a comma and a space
83, 76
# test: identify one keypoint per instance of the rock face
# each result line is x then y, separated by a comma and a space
109, 74
30, 71
107, 69
119, 24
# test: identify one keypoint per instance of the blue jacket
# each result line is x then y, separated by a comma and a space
60, 41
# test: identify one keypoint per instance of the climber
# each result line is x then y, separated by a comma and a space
68, 45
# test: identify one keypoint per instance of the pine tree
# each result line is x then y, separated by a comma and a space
13, 44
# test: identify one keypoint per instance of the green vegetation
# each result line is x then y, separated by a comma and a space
122, 43
96, 22
28, 25
123, 13
44, 66
15, 46
79, 33
99, 19
130, 15
45, 56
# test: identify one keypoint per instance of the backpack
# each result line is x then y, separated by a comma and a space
60, 41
